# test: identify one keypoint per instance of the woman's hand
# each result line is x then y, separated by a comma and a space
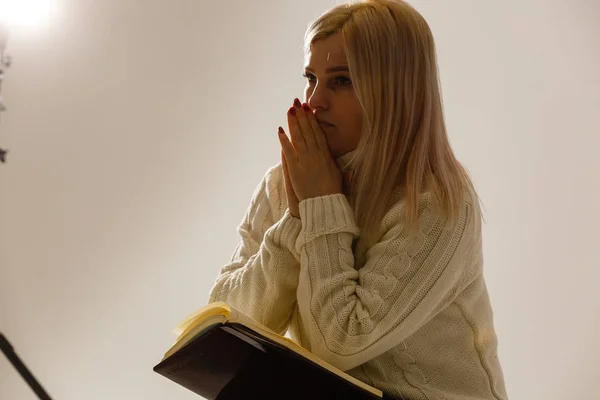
292, 199
310, 166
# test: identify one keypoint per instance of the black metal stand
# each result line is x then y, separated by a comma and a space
8, 351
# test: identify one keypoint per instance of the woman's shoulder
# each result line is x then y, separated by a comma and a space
274, 177
430, 212
272, 191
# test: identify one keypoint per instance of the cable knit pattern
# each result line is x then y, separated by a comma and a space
414, 321
262, 276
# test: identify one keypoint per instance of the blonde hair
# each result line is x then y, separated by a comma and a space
404, 147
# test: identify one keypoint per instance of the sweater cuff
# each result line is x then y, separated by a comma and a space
285, 232
325, 215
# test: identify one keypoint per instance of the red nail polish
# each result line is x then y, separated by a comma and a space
292, 111
306, 107
297, 103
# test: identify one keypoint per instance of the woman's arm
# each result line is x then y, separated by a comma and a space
352, 316
262, 277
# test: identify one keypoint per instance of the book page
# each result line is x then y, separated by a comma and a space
220, 312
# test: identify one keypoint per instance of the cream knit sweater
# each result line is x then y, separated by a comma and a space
415, 321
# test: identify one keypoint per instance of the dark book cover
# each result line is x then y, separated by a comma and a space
231, 361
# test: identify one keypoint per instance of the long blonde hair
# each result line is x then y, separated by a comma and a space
404, 147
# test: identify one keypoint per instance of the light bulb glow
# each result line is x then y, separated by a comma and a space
26, 13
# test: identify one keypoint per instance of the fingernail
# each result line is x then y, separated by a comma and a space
297, 103
292, 111
306, 107
281, 130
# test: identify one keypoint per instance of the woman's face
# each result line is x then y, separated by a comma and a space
329, 92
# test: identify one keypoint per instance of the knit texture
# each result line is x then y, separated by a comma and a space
415, 321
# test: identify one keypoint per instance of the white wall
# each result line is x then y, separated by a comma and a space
138, 130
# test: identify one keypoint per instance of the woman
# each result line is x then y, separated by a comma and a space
366, 241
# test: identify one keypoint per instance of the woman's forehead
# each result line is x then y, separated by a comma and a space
329, 51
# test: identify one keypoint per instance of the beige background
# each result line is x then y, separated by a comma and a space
139, 129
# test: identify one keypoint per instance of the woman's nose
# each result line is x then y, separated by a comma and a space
318, 98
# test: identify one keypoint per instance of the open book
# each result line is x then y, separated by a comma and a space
222, 353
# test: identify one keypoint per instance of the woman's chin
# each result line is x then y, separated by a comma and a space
335, 153
332, 148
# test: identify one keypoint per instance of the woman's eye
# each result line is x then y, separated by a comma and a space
310, 77
338, 80
342, 80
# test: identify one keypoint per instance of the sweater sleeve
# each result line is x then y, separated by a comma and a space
352, 316
262, 276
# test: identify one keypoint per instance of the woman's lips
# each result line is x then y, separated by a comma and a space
325, 124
